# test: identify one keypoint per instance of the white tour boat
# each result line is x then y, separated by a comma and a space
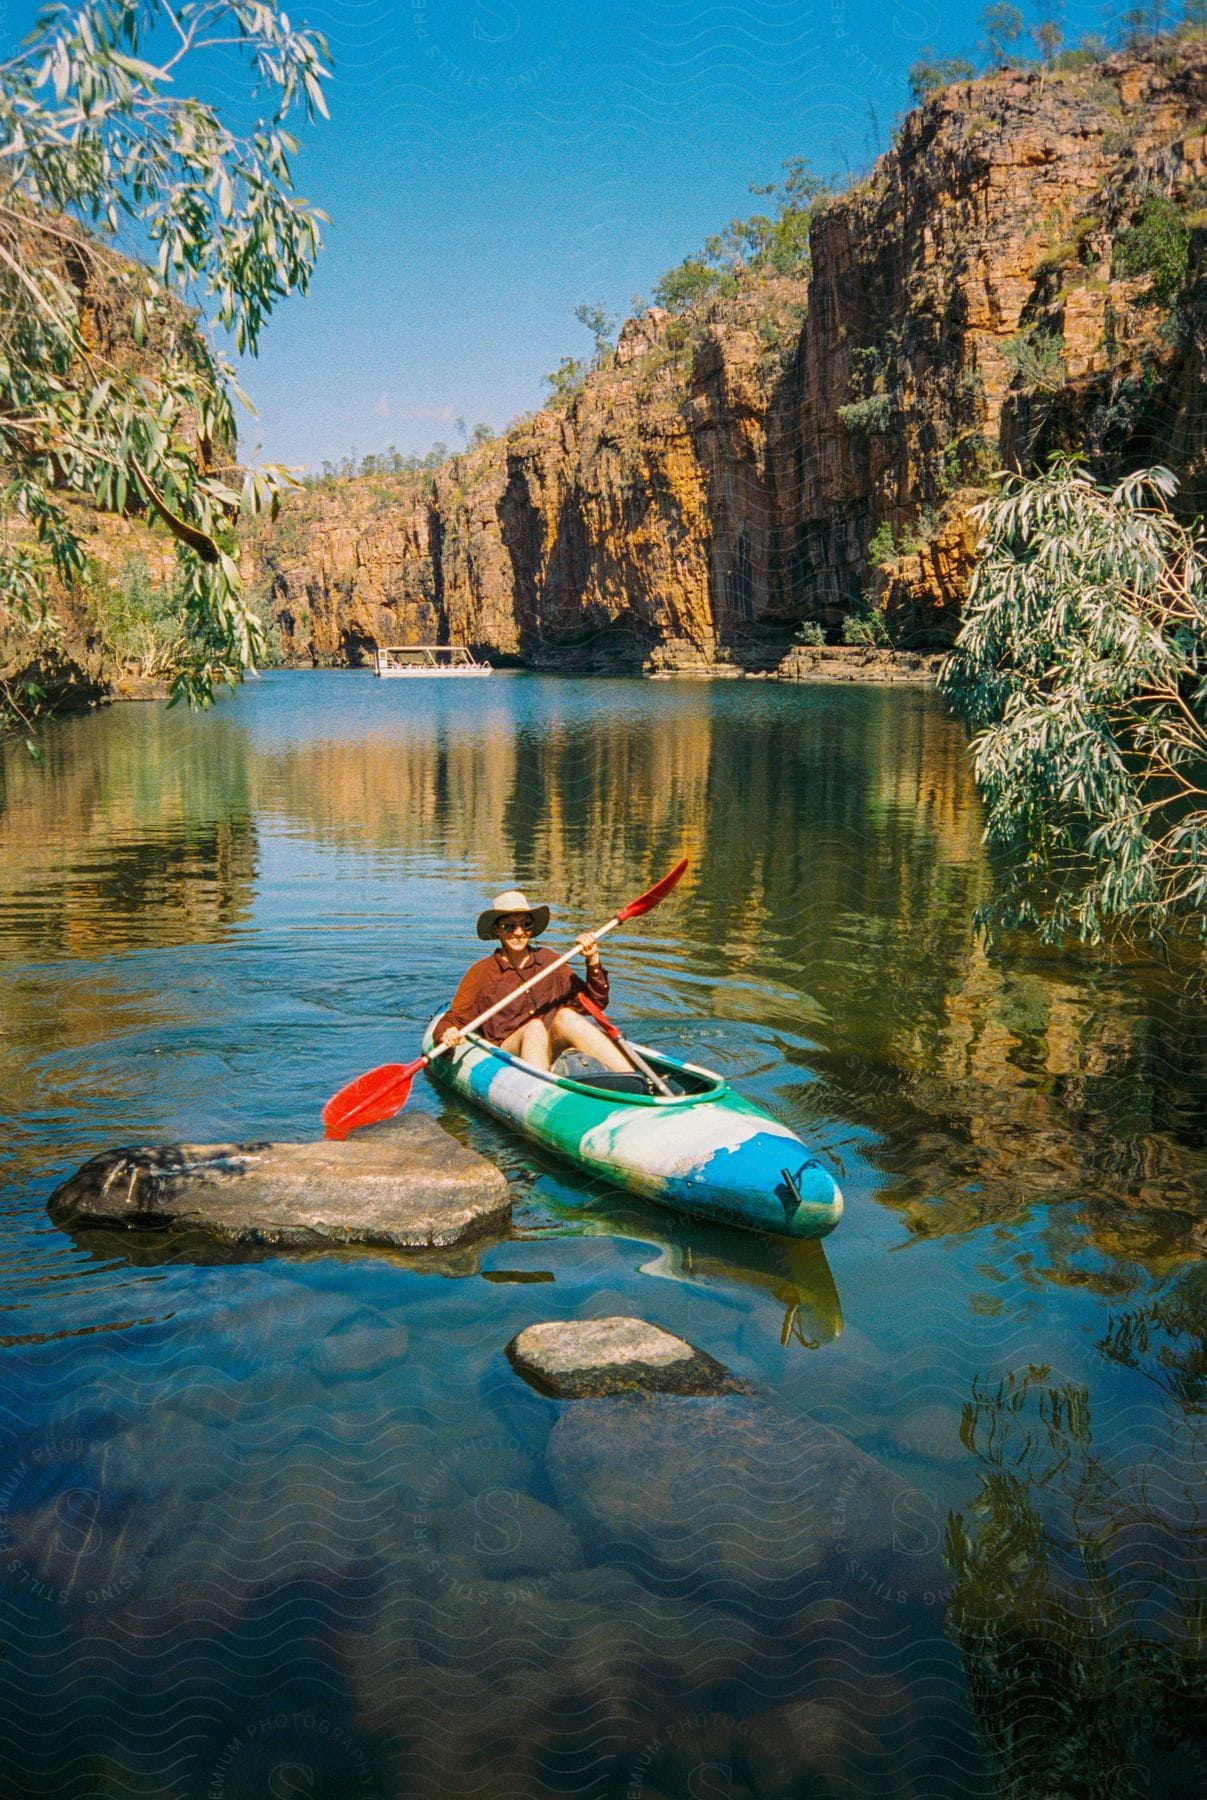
427, 659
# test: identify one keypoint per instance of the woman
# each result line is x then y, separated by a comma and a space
545, 1020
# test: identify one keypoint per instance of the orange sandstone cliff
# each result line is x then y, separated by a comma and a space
813, 445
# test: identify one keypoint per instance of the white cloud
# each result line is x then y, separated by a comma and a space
383, 408
442, 415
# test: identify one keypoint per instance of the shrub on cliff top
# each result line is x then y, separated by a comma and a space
565, 383
602, 326
765, 244
931, 72
1003, 28
128, 417
1081, 669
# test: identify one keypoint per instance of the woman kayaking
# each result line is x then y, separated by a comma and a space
545, 1020
697, 1148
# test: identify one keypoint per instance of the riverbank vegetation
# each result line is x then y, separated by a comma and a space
112, 399
1081, 668
142, 621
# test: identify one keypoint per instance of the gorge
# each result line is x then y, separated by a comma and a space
1022, 272
997, 288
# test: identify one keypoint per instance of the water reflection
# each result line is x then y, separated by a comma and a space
1080, 1605
796, 1275
1084, 1097
136, 830
1166, 1340
174, 1247
799, 1279
834, 871
257, 1484
835, 865
807, 1310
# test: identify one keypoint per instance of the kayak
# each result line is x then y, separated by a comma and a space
702, 1150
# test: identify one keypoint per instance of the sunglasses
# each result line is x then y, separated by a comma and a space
524, 924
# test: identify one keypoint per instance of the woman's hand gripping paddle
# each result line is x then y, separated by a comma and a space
385, 1090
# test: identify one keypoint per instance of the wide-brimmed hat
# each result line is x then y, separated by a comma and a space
513, 902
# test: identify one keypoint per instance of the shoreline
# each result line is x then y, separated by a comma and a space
822, 663
818, 664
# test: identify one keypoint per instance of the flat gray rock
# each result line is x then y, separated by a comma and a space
587, 1359
412, 1187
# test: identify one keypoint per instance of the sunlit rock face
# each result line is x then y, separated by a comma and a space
723, 475
638, 514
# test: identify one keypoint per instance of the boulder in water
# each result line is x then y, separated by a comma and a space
580, 1359
411, 1186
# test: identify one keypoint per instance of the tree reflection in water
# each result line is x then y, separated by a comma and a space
1079, 1605
1166, 1341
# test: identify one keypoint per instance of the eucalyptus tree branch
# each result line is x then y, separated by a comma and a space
90, 133
1081, 667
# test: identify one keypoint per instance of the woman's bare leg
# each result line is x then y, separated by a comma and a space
570, 1029
531, 1044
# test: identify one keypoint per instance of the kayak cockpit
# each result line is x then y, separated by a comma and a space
691, 1083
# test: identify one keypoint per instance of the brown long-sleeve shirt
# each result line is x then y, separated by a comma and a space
487, 981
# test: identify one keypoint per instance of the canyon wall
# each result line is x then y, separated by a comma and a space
812, 445
636, 514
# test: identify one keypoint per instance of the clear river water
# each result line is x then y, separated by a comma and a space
288, 1523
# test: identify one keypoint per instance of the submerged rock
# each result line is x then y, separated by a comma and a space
412, 1187
579, 1359
735, 1496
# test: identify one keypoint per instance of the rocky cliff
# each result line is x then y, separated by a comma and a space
989, 293
636, 514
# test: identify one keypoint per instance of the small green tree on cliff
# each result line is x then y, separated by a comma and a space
765, 244
565, 383
1081, 668
602, 326
1048, 37
1003, 27
109, 393
930, 73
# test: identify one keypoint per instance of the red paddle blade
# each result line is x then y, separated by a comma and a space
370, 1098
647, 901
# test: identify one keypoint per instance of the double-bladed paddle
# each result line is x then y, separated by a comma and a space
385, 1090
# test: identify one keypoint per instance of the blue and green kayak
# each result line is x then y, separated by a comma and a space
704, 1151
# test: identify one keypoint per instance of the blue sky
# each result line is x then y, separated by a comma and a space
490, 164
